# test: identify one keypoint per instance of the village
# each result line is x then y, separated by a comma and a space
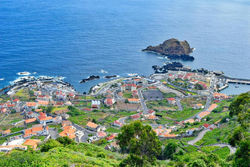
176, 105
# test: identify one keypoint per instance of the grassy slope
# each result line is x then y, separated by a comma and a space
82, 154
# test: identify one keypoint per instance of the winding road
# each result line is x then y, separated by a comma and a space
232, 149
201, 135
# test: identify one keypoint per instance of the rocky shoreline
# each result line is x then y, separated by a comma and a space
30, 80
176, 66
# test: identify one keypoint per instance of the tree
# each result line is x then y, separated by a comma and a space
133, 160
94, 120
237, 136
218, 109
198, 86
242, 155
49, 109
241, 107
73, 111
65, 140
169, 150
13, 111
49, 145
141, 141
198, 163
237, 105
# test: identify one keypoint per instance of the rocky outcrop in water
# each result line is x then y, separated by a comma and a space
110, 76
173, 49
92, 77
169, 66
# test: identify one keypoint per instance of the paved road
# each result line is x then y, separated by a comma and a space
106, 87
122, 120
85, 136
199, 137
208, 103
178, 102
53, 133
143, 104
209, 97
232, 149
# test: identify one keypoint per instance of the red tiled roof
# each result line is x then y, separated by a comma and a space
30, 120
203, 114
206, 125
31, 104
86, 109
171, 99
11, 105
68, 131
37, 128
136, 116
111, 137
6, 131
133, 100
43, 102
32, 142
109, 101
16, 100
71, 94
151, 111
92, 125
101, 134
66, 123
117, 122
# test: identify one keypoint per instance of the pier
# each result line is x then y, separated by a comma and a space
237, 80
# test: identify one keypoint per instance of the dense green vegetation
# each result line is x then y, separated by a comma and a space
218, 135
240, 108
61, 152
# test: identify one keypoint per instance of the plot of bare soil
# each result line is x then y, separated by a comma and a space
127, 106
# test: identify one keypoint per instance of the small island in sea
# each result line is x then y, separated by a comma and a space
173, 49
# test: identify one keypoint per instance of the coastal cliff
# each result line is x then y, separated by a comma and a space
173, 49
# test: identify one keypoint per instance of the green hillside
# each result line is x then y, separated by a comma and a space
74, 154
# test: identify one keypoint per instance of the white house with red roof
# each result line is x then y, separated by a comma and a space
95, 104
135, 116
171, 100
152, 112
111, 137
43, 118
109, 101
101, 134
117, 123
128, 87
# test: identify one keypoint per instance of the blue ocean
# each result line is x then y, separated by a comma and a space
78, 38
